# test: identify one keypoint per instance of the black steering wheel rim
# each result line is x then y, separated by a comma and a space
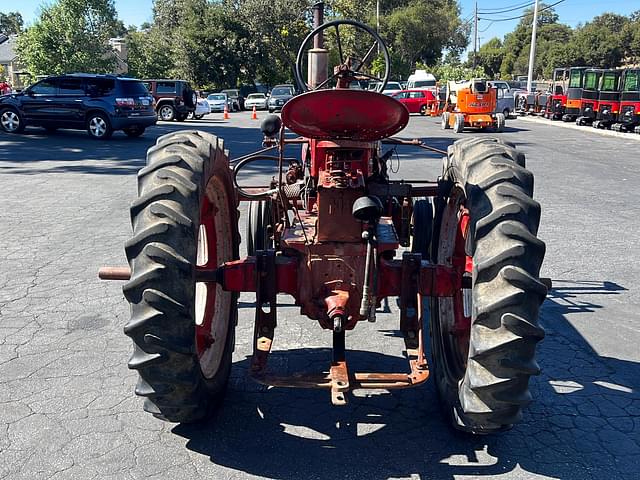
304, 86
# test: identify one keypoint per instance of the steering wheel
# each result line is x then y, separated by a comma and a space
345, 68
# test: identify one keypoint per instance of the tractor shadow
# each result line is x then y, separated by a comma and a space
584, 421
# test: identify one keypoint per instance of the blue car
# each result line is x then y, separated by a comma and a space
99, 104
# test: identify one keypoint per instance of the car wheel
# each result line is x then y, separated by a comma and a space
11, 121
506, 113
271, 110
134, 132
198, 117
166, 113
98, 126
423, 110
182, 117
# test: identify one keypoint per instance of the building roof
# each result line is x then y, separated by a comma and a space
8, 50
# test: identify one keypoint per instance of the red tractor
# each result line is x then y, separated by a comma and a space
337, 234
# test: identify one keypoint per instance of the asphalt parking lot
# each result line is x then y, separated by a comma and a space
67, 408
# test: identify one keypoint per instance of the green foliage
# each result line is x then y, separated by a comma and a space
446, 72
489, 57
11, 23
600, 43
70, 36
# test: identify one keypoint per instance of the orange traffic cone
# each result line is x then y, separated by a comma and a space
225, 115
254, 115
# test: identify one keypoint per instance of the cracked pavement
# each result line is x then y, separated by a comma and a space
67, 408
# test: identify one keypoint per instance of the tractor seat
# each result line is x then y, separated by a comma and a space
344, 114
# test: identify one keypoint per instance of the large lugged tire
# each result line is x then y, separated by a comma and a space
483, 340
183, 332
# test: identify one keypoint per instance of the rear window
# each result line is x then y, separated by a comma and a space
576, 79
130, 87
100, 87
591, 80
282, 91
166, 87
424, 83
632, 81
610, 82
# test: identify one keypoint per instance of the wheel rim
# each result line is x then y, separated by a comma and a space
454, 313
10, 121
166, 113
423, 109
212, 304
97, 126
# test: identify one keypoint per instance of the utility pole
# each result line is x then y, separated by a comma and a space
475, 34
532, 50
378, 21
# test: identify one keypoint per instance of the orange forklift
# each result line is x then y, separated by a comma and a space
589, 102
608, 99
574, 94
471, 104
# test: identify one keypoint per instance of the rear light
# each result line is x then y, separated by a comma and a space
125, 102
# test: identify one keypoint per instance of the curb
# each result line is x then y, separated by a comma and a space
573, 126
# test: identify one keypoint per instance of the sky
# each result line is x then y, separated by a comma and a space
571, 12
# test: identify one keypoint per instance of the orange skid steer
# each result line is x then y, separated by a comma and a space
471, 104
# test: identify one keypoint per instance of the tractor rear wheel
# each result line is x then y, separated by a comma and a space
185, 217
483, 339
458, 124
445, 121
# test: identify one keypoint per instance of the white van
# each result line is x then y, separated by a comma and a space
422, 80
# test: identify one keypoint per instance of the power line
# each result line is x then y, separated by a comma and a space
520, 16
507, 9
520, 5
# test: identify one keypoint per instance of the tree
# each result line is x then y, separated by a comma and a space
600, 43
422, 30
148, 54
70, 36
489, 57
11, 23
631, 38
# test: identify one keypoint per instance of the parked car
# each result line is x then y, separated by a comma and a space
202, 109
100, 104
416, 101
280, 94
237, 100
175, 99
217, 101
505, 98
389, 89
258, 100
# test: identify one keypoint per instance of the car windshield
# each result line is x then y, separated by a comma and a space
216, 96
256, 95
133, 87
282, 91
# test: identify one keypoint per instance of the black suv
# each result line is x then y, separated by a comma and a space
175, 99
100, 104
